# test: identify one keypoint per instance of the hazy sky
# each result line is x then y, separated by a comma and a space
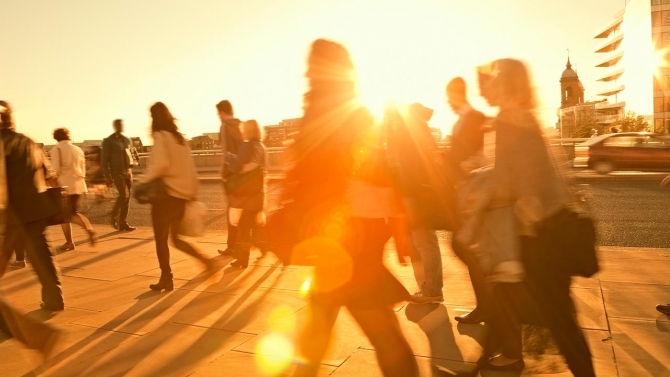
81, 63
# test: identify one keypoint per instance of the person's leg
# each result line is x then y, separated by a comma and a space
20, 247
33, 334
123, 210
67, 232
394, 355
232, 236
315, 337
160, 219
505, 325
120, 185
178, 207
11, 239
243, 243
479, 284
425, 242
42, 261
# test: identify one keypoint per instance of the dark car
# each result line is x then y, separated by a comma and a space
628, 151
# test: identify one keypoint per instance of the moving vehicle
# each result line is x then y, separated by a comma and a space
628, 151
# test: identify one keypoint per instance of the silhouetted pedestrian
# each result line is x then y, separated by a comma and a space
117, 162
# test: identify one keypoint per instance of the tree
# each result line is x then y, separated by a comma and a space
631, 123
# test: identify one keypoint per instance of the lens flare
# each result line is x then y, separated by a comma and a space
306, 287
274, 354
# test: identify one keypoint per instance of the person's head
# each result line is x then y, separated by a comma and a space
614, 130
61, 134
456, 93
505, 83
6, 121
162, 120
251, 130
225, 110
118, 126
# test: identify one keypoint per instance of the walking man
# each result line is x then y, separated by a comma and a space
230, 139
467, 140
117, 162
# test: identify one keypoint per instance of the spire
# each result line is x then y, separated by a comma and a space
568, 66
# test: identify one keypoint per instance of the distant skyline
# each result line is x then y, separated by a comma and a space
80, 64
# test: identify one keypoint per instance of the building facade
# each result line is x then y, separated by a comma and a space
281, 134
625, 58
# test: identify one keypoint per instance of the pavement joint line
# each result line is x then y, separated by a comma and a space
212, 328
607, 319
632, 282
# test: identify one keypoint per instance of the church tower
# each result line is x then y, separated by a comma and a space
572, 91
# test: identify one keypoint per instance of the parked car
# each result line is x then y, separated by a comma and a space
627, 151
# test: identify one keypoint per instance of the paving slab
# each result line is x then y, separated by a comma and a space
590, 308
77, 346
640, 271
641, 347
172, 350
240, 364
248, 312
148, 313
347, 337
636, 301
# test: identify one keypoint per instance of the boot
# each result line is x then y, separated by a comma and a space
165, 283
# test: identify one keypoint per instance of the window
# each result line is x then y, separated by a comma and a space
665, 129
622, 141
655, 2
665, 15
666, 108
666, 39
657, 84
658, 104
656, 19
666, 1
658, 124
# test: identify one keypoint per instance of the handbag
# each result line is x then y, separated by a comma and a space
193, 222
573, 242
150, 192
59, 199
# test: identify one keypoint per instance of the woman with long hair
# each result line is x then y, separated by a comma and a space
172, 163
247, 192
530, 193
69, 163
335, 184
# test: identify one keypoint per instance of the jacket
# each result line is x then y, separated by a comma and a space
69, 164
467, 140
24, 162
116, 158
247, 171
172, 163
230, 138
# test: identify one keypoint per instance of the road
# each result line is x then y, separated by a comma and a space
631, 214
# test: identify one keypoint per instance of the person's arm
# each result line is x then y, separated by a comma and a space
158, 160
222, 141
247, 160
56, 160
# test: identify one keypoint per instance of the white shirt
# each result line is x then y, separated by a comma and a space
69, 163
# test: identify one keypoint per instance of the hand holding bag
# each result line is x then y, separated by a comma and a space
150, 192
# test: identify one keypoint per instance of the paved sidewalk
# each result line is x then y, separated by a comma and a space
241, 322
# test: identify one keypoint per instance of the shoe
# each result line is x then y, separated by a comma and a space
516, 366
127, 228
66, 247
228, 251
113, 220
239, 264
92, 237
419, 298
665, 309
165, 283
474, 317
18, 264
51, 308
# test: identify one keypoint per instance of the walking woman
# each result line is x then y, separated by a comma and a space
69, 163
528, 194
332, 184
170, 162
247, 192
